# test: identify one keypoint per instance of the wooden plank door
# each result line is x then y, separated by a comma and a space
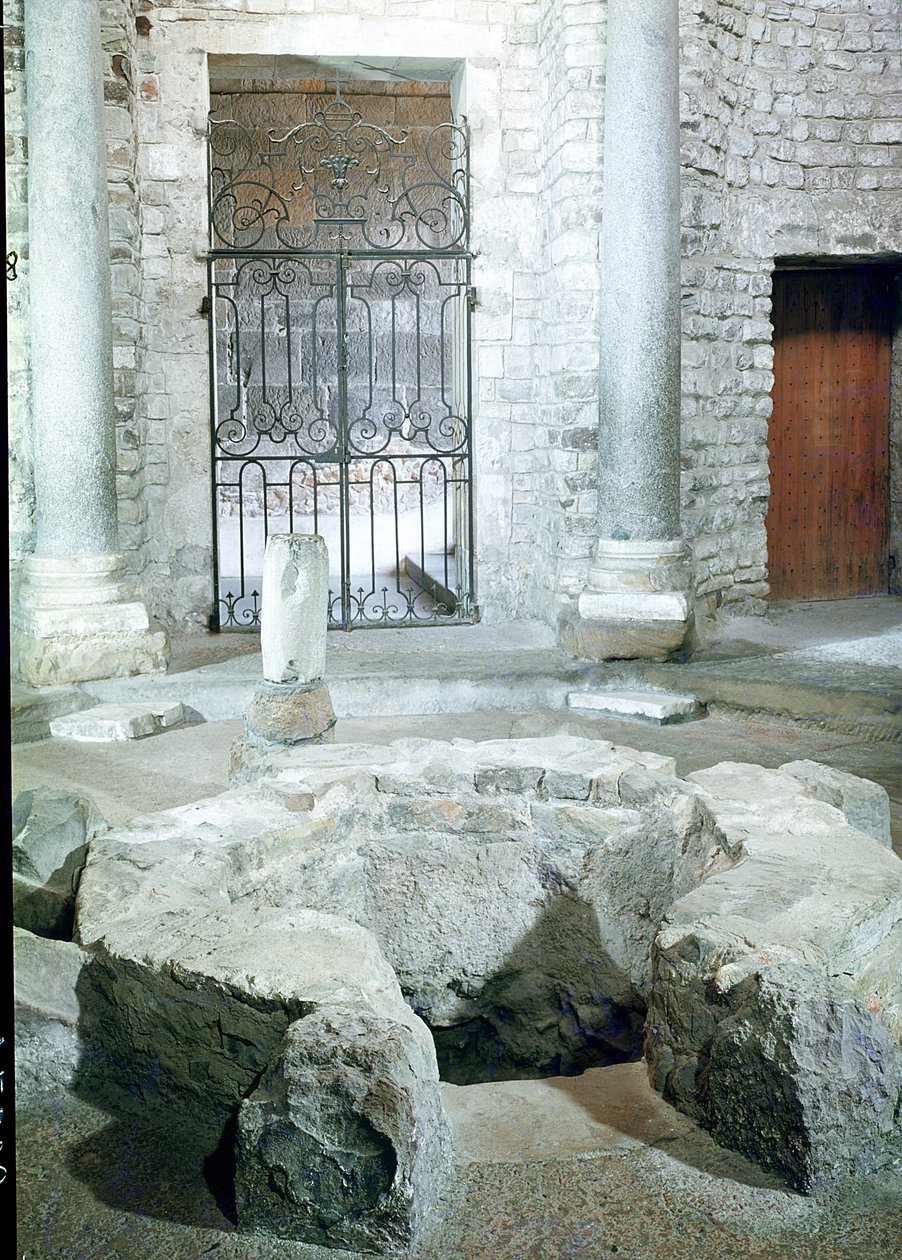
828, 517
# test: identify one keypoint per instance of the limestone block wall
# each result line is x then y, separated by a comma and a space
492, 51
562, 474
120, 90
792, 120
21, 518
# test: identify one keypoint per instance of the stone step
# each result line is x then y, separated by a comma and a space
33, 708
654, 706
108, 722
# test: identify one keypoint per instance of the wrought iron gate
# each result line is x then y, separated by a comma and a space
340, 357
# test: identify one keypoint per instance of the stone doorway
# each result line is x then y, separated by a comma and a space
340, 345
829, 433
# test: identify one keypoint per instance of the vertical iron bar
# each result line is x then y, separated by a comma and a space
471, 538
215, 620
344, 493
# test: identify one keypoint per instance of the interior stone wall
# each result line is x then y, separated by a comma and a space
21, 492
561, 473
496, 75
791, 131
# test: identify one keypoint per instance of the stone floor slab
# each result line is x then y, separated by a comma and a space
108, 722
655, 706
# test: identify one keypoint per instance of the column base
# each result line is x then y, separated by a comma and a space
290, 713
75, 623
635, 604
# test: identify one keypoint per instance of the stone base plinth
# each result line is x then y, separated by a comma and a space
621, 639
77, 621
82, 654
634, 605
290, 713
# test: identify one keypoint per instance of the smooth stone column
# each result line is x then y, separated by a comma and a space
635, 602
292, 705
77, 619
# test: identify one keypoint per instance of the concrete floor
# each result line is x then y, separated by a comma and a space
592, 1166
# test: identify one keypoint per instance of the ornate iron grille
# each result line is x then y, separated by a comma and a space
340, 349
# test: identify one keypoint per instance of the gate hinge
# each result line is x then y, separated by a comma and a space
205, 305
471, 298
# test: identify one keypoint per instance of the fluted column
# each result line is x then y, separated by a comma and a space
77, 619
635, 600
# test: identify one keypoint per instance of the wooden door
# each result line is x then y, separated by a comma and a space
828, 518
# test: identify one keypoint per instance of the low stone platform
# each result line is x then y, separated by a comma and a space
536, 901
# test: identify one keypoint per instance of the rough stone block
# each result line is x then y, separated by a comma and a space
345, 1141
54, 660
51, 832
286, 713
46, 975
295, 608
865, 804
600, 640
106, 723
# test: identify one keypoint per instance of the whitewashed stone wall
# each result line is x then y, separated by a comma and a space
564, 465
133, 472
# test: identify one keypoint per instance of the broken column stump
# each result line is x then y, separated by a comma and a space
292, 705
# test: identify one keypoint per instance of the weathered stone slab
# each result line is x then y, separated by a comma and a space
31, 709
295, 608
345, 1141
865, 804
107, 723
657, 706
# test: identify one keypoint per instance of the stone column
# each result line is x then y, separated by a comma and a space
635, 601
77, 619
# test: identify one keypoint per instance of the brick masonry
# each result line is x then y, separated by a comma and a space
791, 141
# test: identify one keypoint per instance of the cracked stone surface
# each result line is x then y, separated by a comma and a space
566, 883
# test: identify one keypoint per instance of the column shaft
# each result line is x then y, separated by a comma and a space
76, 620
639, 469
69, 282
635, 602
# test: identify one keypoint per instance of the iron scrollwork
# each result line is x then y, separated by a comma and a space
338, 182
340, 299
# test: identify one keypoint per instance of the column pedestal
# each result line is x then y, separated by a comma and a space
75, 622
635, 603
